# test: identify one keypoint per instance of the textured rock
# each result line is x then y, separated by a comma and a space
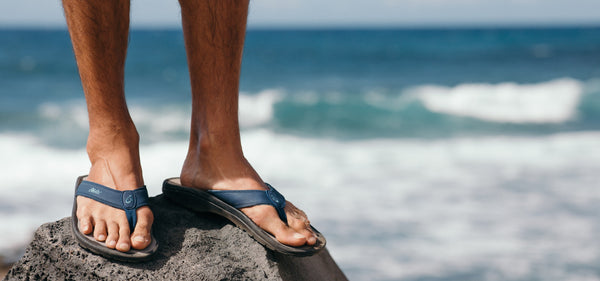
192, 247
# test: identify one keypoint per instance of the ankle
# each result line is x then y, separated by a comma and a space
207, 147
114, 155
110, 137
213, 142
206, 178
212, 166
116, 173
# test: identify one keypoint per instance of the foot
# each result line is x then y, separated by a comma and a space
216, 171
117, 167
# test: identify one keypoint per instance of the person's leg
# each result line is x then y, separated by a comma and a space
99, 30
214, 33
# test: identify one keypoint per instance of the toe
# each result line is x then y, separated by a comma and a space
84, 215
286, 234
124, 243
266, 218
298, 221
85, 225
141, 238
113, 235
303, 227
311, 239
100, 231
291, 238
298, 224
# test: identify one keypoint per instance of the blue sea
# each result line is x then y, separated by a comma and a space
422, 154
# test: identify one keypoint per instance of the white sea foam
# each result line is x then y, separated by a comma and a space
256, 110
548, 102
512, 206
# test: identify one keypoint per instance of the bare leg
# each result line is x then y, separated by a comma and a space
214, 35
99, 30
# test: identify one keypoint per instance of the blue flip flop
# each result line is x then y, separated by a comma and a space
227, 203
128, 201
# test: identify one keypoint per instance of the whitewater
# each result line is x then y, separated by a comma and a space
390, 208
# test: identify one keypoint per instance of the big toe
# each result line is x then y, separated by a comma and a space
302, 225
266, 218
141, 237
290, 237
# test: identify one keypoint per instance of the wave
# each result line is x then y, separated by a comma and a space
548, 102
424, 111
440, 111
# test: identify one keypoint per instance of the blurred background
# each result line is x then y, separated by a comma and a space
428, 140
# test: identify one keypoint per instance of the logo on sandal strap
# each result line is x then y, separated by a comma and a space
128, 200
276, 197
95, 191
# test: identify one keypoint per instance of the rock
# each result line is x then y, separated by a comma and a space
192, 247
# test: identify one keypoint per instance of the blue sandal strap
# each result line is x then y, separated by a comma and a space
129, 200
248, 198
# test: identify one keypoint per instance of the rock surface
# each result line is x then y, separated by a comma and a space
192, 247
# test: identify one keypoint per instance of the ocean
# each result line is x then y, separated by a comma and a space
422, 154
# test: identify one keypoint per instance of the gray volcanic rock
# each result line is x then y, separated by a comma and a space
192, 247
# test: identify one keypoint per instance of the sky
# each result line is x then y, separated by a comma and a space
337, 13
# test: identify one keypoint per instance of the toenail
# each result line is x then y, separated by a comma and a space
298, 236
139, 239
112, 243
312, 240
101, 237
123, 246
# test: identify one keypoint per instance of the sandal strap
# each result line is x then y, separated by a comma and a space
128, 200
248, 198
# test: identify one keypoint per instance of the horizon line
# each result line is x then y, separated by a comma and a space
347, 26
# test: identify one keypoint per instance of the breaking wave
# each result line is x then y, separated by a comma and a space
549, 102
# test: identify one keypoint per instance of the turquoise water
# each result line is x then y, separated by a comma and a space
422, 154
